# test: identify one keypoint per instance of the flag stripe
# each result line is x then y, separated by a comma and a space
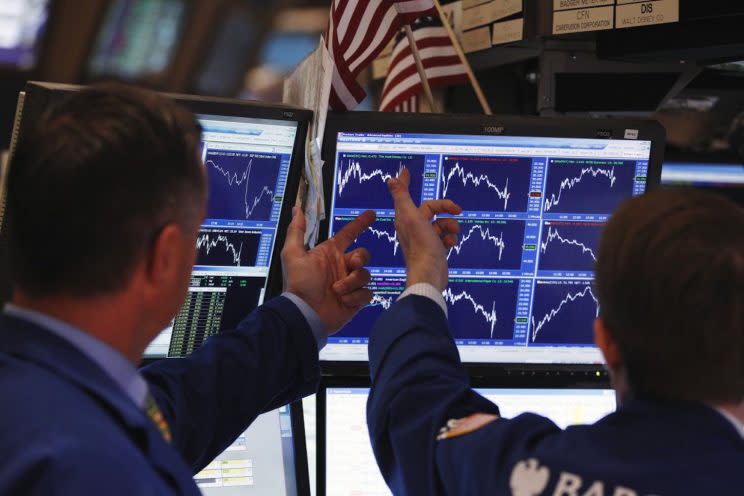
358, 39
438, 41
407, 71
429, 58
371, 48
414, 80
344, 21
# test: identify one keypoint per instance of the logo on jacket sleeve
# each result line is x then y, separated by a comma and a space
528, 478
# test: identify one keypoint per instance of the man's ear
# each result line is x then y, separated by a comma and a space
163, 261
607, 344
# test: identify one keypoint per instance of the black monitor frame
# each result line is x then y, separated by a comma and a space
496, 125
516, 381
302, 474
39, 96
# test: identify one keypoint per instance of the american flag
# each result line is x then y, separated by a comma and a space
441, 64
358, 32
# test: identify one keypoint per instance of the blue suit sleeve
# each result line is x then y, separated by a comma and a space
418, 383
211, 396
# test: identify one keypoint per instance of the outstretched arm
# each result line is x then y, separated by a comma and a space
418, 382
271, 359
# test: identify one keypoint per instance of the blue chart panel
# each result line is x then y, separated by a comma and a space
380, 239
588, 186
488, 244
493, 184
386, 291
482, 309
569, 246
241, 184
361, 179
563, 312
227, 247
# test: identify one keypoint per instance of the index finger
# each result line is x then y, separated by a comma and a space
435, 207
399, 191
353, 229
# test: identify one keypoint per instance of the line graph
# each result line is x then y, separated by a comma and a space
488, 244
569, 245
241, 184
587, 186
386, 290
563, 312
226, 247
481, 309
361, 179
380, 239
497, 184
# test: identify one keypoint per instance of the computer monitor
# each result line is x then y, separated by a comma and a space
349, 465
254, 160
22, 25
268, 459
253, 169
136, 39
535, 194
726, 179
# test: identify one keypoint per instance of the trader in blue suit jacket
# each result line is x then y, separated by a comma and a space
104, 204
670, 281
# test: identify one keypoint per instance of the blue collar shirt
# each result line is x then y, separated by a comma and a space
113, 363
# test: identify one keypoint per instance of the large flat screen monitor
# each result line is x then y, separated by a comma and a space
249, 162
268, 459
253, 158
22, 24
349, 464
534, 195
726, 179
137, 38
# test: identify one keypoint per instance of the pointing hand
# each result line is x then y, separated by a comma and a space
422, 241
331, 282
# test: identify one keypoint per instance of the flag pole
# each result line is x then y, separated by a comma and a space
458, 48
420, 68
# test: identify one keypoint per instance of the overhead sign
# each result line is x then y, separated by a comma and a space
632, 14
580, 20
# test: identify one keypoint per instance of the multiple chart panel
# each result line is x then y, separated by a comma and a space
247, 164
533, 211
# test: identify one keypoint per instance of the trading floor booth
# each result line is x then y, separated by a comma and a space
535, 193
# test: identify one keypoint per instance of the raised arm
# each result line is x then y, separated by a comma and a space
418, 382
271, 359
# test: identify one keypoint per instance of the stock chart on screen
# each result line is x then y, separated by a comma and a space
521, 272
247, 163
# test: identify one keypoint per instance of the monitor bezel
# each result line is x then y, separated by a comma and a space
516, 381
482, 125
302, 474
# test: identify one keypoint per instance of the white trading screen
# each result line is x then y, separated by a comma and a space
350, 464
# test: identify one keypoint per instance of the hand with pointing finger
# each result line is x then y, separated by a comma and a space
422, 241
329, 280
